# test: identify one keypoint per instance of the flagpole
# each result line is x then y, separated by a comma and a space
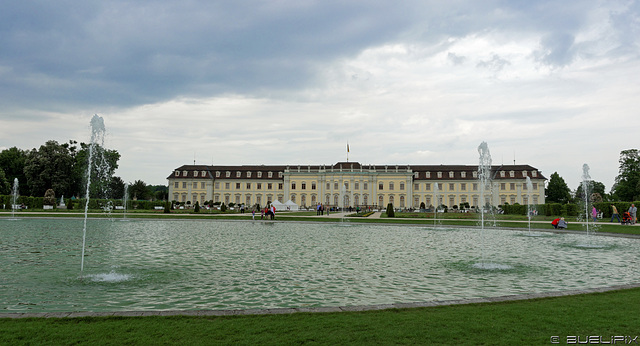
347, 151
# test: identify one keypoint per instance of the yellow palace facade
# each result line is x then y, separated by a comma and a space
351, 184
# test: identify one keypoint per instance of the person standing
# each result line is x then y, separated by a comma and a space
633, 210
594, 214
614, 213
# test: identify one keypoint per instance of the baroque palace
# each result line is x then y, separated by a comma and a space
346, 184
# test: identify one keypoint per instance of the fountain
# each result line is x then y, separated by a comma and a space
125, 197
437, 200
215, 264
486, 185
62, 205
586, 180
97, 138
14, 198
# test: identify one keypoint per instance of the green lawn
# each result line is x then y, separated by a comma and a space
529, 322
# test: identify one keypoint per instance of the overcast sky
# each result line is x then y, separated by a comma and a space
553, 84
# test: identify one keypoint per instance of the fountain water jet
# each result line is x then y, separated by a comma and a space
97, 138
14, 198
485, 179
586, 181
125, 197
437, 200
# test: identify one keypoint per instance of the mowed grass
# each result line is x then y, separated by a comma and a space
529, 322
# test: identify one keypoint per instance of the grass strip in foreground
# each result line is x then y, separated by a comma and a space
529, 322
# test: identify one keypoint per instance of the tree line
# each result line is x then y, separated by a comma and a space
626, 187
63, 168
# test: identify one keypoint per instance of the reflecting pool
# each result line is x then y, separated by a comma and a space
202, 264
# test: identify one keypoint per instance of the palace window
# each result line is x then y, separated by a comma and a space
335, 185
346, 186
248, 186
303, 185
452, 187
463, 186
366, 186
227, 186
259, 186
228, 174
328, 186
534, 173
237, 186
475, 187
238, 174
416, 175
512, 186
439, 174
427, 187
280, 174
463, 174
380, 186
184, 173
503, 186
203, 173
269, 186
217, 174
195, 185
512, 174
195, 174
248, 174
177, 175
280, 186
356, 185
451, 174
176, 185
440, 187
427, 174
416, 187
217, 186
313, 185
270, 174
535, 186
293, 185
184, 185
475, 174
401, 186
501, 174
524, 173
259, 174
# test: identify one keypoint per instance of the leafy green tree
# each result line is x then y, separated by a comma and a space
5, 186
50, 167
104, 163
139, 190
557, 190
116, 188
12, 161
627, 183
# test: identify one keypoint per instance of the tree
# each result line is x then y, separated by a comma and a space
12, 161
103, 165
5, 186
116, 188
139, 190
557, 190
627, 183
50, 167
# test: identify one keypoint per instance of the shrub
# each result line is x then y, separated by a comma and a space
390, 212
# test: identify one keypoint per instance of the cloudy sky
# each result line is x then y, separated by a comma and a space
553, 84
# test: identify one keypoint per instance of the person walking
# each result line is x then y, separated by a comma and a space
594, 214
633, 210
614, 213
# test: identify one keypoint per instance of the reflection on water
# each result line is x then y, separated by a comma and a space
167, 265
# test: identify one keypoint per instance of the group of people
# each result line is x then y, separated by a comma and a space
633, 211
268, 212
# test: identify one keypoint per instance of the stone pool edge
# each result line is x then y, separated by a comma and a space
239, 312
